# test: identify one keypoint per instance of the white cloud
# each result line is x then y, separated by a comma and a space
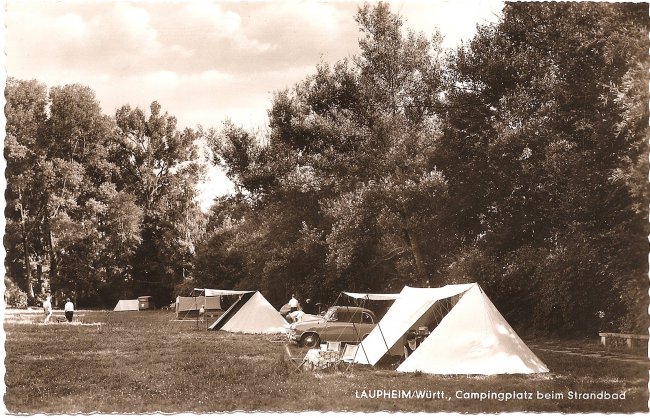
214, 75
128, 15
456, 20
160, 78
210, 13
216, 184
71, 24
204, 61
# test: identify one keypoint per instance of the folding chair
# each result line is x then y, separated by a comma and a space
334, 346
296, 362
347, 358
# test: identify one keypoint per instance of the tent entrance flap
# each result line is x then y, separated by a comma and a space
232, 310
427, 323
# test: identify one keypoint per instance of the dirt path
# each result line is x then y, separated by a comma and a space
626, 357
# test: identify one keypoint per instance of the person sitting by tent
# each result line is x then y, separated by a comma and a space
69, 309
47, 309
413, 339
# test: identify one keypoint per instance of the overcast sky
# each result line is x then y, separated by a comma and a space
204, 61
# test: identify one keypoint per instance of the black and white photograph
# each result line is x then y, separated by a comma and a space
287, 206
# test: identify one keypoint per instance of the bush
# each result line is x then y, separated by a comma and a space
14, 296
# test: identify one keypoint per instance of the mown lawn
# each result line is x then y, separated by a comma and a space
143, 362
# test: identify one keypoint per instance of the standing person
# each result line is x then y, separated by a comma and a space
202, 313
47, 309
293, 303
69, 310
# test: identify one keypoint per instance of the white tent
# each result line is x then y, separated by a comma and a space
407, 312
472, 338
127, 305
251, 314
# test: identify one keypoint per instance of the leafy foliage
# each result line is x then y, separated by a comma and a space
517, 161
86, 190
544, 147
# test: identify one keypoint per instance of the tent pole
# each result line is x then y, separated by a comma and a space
335, 302
361, 342
206, 311
197, 317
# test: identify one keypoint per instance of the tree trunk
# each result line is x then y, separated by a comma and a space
28, 270
53, 266
416, 251
414, 244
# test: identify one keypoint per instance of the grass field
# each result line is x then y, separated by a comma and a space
143, 362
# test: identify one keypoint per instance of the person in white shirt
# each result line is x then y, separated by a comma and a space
295, 316
69, 310
47, 309
293, 304
202, 313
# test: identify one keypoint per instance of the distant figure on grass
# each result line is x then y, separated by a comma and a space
293, 303
47, 309
69, 310
202, 313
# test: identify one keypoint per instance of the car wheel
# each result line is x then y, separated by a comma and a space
310, 340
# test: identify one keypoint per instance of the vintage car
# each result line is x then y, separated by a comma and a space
349, 324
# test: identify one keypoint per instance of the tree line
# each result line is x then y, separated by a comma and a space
97, 207
517, 161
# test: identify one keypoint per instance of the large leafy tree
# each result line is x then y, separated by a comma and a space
76, 137
518, 163
96, 209
542, 114
74, 231
158, 167
25, 114
340, 187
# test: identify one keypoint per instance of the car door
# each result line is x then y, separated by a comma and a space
339, 328
354, 327
328, 329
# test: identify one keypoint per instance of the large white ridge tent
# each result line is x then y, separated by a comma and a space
250, 314
471, 338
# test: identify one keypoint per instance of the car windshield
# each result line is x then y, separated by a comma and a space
330, 315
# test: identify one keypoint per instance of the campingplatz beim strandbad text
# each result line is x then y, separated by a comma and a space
424, 394
538, 395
